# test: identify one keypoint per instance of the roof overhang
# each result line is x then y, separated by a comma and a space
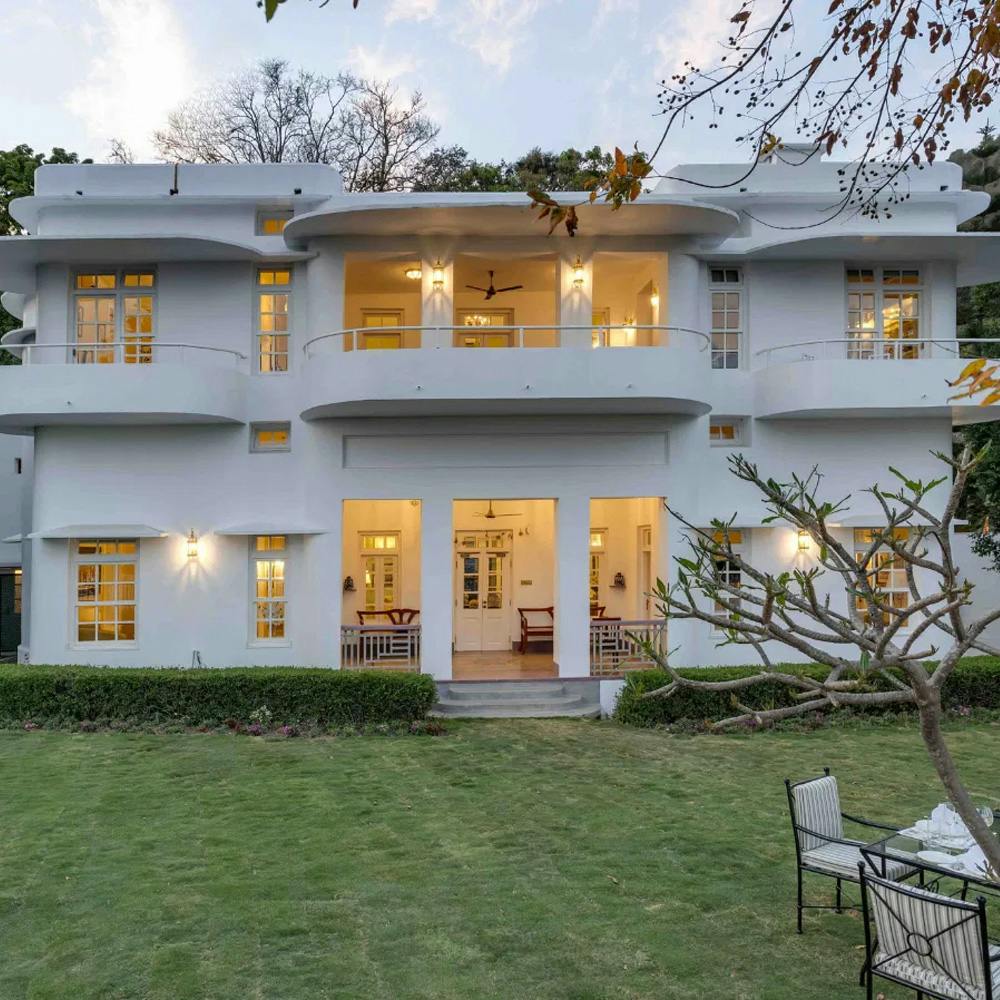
976, 255
506, 214
272, 528
100, 531
21, 255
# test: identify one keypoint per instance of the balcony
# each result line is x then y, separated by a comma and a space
463, 370
869, 378
130, 382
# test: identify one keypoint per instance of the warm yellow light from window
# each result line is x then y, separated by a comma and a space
438, 276
654, 297
579, 273
414, 273
192, 546
804, 541
273, 225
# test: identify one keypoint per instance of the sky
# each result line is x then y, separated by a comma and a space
499, 76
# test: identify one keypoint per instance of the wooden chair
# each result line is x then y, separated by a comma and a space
531, 632
396, 616
597, 610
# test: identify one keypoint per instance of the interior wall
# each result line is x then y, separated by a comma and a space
621, 519
362, 516
376, 283
623, 284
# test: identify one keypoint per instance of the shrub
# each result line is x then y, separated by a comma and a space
293, 695
975, 683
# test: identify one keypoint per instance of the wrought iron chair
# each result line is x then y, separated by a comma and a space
820, 845
934, 944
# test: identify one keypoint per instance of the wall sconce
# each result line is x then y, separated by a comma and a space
654, 297
438, 276
804, 540
192, 546
348, 584
619, 581
414, 273
579, 273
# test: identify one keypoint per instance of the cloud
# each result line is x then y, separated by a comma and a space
410, 10
494, 29
376, 64
138, 68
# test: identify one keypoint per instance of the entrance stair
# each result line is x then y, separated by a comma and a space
518, 699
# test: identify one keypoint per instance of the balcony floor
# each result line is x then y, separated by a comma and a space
503, 665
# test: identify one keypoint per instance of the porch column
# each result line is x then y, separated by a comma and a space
318, 636
682, 304
574, 305
941, 283
683, 637
436, 598
437, 304
572, 596
325, 301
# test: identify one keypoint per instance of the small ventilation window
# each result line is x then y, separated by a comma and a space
271, 437
272, 223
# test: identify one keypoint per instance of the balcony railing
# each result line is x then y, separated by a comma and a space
875, 349
616, 646
128, 352
503, 337
380, 647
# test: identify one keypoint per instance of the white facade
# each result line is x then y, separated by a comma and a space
154, 299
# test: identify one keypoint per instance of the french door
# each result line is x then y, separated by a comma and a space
485, 328
482, 590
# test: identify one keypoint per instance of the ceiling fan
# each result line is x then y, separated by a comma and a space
492, 290
490, 514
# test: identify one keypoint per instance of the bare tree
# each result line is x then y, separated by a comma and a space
119, 151
876, 652
271, 115
384, 138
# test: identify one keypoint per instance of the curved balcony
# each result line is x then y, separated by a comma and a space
843, 378
462, 370
122, 383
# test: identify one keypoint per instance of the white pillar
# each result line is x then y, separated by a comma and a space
437, 307
942, 312
436, 587
572, 596
574, 305
317, 628
682, 305
682, 636
325, 297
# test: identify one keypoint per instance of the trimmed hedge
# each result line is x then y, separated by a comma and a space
975, 683
293, 695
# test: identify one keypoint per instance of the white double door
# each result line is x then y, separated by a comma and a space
482, 590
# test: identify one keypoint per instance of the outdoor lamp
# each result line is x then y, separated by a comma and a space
804, 540
414, 273
579, 273
438, 276
192, 546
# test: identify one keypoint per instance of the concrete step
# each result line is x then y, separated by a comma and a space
518, 699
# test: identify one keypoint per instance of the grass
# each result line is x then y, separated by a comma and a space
514, 859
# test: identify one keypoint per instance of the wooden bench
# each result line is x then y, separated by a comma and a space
396, 616
534, 632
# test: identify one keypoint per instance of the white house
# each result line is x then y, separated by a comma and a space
266, 413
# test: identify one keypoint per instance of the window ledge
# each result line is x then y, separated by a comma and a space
102, 645
269, 644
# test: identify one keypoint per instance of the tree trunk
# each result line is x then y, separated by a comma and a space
944, 764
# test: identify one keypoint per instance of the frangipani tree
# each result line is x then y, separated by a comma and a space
877, 653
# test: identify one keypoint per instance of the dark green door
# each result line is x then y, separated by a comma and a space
10, 612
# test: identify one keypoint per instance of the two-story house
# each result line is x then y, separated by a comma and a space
274, 423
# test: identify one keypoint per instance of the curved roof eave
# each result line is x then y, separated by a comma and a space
504, 214
14, 339
976, 255
13, 302
20, 255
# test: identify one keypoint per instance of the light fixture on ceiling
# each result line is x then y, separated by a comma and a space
414, 273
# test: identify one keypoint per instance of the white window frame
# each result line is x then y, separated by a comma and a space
901, 587
381, 555
76, 559
595, 562
269, 555
137, 347
861, 340
263, 214
735, 286
260, 290
739, 425
256, 448
740, 548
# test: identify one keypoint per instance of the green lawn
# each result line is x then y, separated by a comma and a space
513, 859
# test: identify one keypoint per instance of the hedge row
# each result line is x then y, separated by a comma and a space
975, 683
292, 695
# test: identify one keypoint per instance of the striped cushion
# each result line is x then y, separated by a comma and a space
843, 859
927, 943
817, 808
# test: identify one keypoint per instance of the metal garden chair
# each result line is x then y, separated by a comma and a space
934, 944
821, 847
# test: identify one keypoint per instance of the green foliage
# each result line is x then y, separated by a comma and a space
975, 683
451, 169
291, 695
